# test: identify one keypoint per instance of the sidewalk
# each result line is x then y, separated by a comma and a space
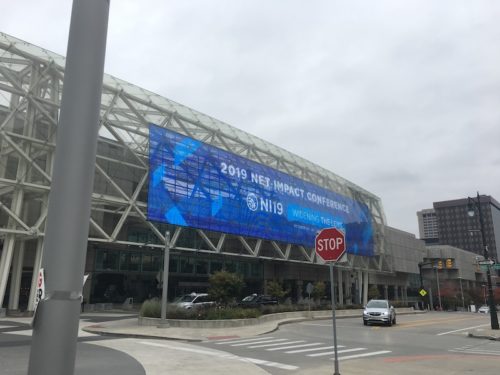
131, 328
485, 333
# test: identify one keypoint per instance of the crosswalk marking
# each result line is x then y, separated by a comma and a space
363, 355
259, 342
338, 352
223, 342
222, 355
310, 349
313, 349
271, 364
275, 344
485, 349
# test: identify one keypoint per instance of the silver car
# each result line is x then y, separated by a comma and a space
379, 311
194, 300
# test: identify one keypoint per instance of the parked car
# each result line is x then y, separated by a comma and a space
194, 300
379, 311
484, 309
257, 300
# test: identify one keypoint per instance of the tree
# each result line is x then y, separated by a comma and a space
318, 290
373, 292
275, 289
225, 286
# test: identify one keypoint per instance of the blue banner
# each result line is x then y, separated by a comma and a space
201, 186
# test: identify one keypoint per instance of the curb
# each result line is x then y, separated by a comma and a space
105, 332
484, 337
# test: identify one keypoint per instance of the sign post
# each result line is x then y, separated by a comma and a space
164, 293
330, 246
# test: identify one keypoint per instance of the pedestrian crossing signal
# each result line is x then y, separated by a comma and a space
440, 264
449, 263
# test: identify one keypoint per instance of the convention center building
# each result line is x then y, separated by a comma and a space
227, 199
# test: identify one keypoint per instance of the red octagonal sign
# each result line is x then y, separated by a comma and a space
330, 244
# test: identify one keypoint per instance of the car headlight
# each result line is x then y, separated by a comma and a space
365, 312
385, 313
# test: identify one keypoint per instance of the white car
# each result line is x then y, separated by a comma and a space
379, 311
484, 309
194, 300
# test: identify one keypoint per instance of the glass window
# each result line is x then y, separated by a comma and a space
256, 270
186, 265
215, 266
173, 265
152, 262
230, 266
130, 261
107, 260
201, 267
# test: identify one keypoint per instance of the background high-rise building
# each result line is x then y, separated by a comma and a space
428, 226
457, 228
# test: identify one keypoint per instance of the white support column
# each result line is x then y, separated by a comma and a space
348, 287
340, 286
396, 292
360, 287
17, 272
386, 291
5, 262
36, 268
365, 288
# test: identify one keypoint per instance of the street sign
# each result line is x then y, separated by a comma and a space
309, 288
495, 266
330, 244
486, 262
39, 294
422, 292
40, 287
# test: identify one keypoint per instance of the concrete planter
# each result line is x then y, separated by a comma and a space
229, 323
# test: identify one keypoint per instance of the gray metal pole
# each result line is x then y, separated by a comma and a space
491, 299
462, 293
439, 291
336, 365
55, 330
164, 293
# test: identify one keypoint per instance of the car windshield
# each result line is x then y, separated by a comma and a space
249, 298
377, 304
185, 298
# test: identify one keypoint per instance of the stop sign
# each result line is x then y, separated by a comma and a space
330, 244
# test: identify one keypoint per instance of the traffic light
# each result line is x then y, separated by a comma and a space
449, 263
440, 264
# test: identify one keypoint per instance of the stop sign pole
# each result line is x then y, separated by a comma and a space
330, 246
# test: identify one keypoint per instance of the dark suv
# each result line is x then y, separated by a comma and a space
257, 300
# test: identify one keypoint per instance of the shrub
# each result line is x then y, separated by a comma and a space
151, 308
318, 290
232, 313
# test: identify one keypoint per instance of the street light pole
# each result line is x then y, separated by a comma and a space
491, 302
462, 293
438, 289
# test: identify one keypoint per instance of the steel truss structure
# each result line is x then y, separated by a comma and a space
31, 81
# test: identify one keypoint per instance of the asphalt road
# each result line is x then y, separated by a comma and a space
431, 343
427, 343
15, 341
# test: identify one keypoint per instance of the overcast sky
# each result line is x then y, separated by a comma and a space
399, 97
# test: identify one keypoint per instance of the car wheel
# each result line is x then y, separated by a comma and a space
394, 320
389, 323
365, 322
